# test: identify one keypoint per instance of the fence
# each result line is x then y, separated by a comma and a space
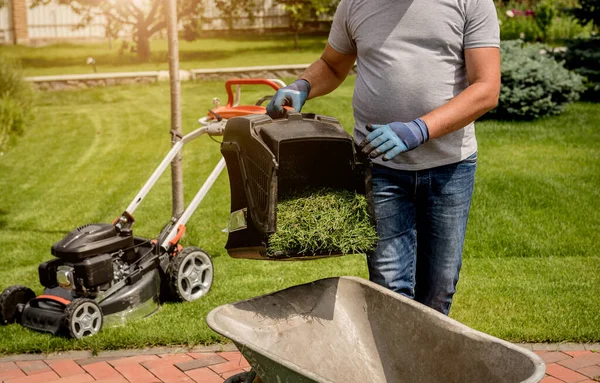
58, 22
6, 28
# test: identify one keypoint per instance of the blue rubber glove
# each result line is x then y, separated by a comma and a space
394, 138
293, 95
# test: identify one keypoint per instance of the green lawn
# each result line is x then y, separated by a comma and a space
532, 256
68, 58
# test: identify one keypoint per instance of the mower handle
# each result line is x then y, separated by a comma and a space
246, 81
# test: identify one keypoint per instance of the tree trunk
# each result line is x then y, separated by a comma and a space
143, 45
176, 165
297, 39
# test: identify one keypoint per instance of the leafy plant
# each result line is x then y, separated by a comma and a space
534, 84
588, 11
544, 14
16, 98
322, 222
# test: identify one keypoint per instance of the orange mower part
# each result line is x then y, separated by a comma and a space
230, 110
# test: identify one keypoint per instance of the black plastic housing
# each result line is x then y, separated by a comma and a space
90, 240
47, 272
268, 158
94, 271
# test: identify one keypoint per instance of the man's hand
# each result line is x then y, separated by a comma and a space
293, 95
394, 138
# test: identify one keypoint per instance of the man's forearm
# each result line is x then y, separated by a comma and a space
483, 73
322, 77
463, 109
328, 72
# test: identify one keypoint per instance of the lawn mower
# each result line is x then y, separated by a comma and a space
103, 275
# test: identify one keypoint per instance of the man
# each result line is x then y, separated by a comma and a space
426, 69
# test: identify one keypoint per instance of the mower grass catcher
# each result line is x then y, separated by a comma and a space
271, 160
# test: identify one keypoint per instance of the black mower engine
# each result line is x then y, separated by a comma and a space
89, 259
103, 276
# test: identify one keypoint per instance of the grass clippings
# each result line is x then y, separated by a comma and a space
324, 221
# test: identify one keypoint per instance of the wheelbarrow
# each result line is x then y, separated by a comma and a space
348, 329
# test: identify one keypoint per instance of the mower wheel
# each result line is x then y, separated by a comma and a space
190, 274
10, 299
83, 317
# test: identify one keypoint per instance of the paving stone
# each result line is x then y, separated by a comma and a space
86, 361
230, 355
65, 367
101, 370
81, 378
11, 374
132, 360
7, 366
235, 357
228, 374
30, 367
200, 362
204, 375
592, 346
135, 373
170, 374
550, 379
578, 353
172, 351
553, 356
582, 361
167, 361
68, 355
569, 347
12, 358
214, 348
44, 377
564, 374
113, 380
544, 346
117, 353
224, 367
591, 371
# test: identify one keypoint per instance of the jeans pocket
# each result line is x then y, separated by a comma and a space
472, 159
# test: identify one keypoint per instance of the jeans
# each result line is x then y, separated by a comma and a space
421, 222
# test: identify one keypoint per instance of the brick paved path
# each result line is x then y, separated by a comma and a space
564, 363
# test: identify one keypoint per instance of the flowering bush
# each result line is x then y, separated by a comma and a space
538, 21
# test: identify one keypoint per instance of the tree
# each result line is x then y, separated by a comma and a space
231, 9
144, 17
302, 11
588, 10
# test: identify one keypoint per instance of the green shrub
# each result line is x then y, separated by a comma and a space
583, 57
540, 21
323, 221
16, 100
534, 84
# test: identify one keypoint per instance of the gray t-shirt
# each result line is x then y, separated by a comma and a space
411, 61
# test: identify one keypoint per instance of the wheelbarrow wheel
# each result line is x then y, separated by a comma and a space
244, 377
190, 274
10, 299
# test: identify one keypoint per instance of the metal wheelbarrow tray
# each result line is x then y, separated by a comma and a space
348, 329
